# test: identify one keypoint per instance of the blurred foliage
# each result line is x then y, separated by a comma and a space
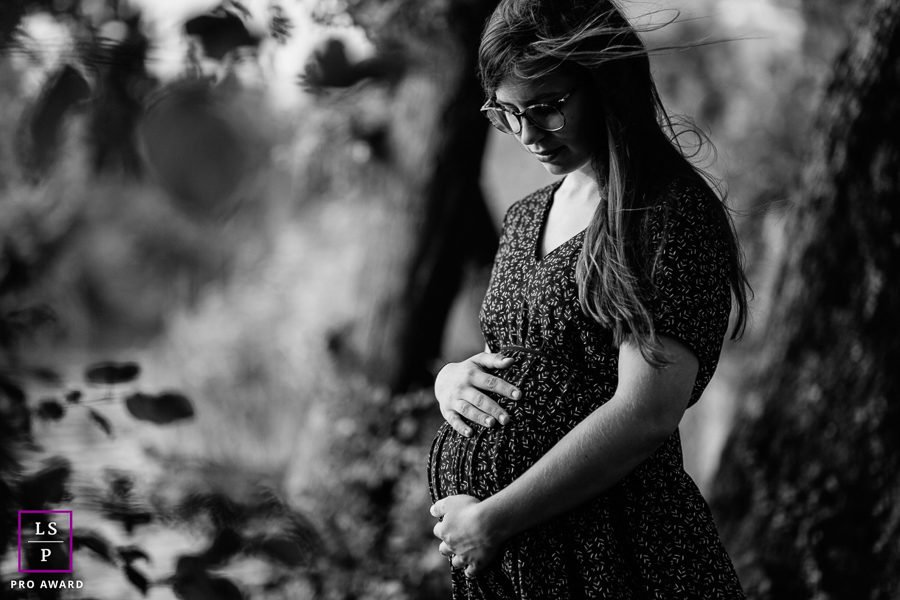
50, 484
243, 522
124, 256
115, 257
388, 19
222, 31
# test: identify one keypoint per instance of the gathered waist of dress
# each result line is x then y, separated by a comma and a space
528, 362
512, 348
542, 377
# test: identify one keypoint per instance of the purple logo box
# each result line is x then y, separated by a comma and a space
70, 536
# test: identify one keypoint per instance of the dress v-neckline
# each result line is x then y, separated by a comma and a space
542, 227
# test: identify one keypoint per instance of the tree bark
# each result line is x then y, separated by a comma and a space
808, 495
457, 228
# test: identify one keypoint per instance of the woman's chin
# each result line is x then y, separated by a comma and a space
557, 168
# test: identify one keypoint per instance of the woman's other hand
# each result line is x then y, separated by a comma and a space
466, 535
459, 388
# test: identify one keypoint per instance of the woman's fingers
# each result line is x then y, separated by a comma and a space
459, 389
457, 562
468, 410
457, 423
493, 360
444, 549
492, 383
491, 412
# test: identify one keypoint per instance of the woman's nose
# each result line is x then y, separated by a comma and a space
529, 134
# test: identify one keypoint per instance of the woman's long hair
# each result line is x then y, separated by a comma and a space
592, 40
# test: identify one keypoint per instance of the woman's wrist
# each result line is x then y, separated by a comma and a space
497, 520
437, 365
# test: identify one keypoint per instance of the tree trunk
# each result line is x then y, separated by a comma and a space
808, 495
447, 226
457, 228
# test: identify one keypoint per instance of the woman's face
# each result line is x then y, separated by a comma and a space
563, 151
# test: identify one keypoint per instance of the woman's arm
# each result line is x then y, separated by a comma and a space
614, 439
606, 446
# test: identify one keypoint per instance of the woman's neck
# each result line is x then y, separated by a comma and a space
580, 187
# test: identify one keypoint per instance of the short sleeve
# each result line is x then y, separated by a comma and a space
691, 299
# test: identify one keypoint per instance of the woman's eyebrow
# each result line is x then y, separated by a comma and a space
540, 98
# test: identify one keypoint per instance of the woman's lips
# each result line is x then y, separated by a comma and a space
547, 155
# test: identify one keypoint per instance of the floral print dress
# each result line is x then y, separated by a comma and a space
651, 535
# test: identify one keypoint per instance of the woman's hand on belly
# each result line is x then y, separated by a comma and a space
459, 389
466, 536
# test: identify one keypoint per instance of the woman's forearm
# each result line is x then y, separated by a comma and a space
600, 450
591, 458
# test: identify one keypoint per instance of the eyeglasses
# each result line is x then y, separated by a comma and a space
547, 116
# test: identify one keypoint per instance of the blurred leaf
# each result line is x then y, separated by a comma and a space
330, 67
129, 554
50, 410
15, 417
111, 373
189, 566
197, 150
226, 544
283, 549
73, 396
224, 589
161, 409
127, 515
138, 579
220, 32
222, 511
280, 25
11, 390
239, 6
302, 530
121, 485
192, 582
47, 485
45, 375
96, 543
101, 421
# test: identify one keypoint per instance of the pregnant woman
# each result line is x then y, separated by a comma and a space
558, 472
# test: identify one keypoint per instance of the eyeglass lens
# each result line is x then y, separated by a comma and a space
543, 116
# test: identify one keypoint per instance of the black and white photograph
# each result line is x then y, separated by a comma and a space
449, 300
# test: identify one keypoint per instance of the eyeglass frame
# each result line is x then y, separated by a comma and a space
557, 105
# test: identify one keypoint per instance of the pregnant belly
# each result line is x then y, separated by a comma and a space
553, 401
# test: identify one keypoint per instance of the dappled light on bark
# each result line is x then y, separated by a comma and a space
808, 489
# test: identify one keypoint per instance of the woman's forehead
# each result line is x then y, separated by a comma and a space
516, 90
